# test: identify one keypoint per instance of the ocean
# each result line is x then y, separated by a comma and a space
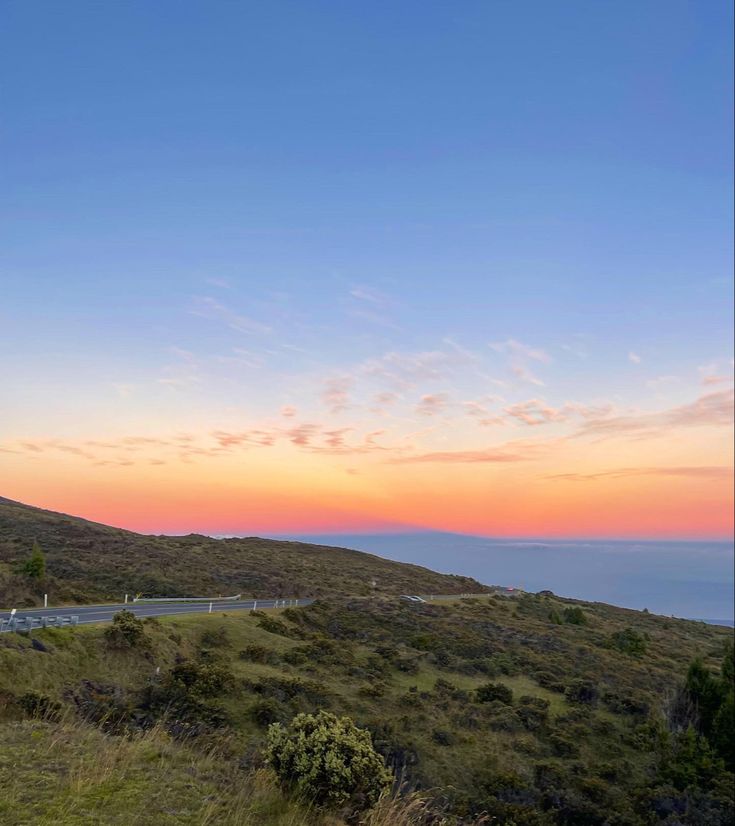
693, 580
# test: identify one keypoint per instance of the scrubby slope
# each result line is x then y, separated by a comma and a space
87, 561
534, 710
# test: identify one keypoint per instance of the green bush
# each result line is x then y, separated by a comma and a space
327, 760
575, 616
628, 641
267, 711
491, 692
533, 712
39, 705
199, 679
273, 626
258, 654
35, 566
126, 631
215, 638
582, 691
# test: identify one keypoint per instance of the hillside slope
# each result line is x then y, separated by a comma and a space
536, 711
87, 561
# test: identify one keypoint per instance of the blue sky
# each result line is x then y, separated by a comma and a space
194, 192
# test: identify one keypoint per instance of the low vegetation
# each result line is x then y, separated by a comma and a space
483, 710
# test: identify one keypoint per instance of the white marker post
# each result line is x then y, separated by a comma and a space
210, 608
45, 600
255, 605
126, 599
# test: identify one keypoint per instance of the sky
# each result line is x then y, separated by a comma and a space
337, 267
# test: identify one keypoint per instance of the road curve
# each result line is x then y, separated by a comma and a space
105, 613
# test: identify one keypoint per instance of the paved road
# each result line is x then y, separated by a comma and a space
105, 613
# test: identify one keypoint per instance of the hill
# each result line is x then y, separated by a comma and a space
89, 562
527, 711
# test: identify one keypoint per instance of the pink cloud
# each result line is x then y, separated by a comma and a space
432, 403
336, 395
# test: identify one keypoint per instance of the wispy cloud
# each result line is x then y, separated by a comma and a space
372, 305
209, 308
516, 451
714, 472
711, 410
519, 356
432, 403
712, 374
404, 370
634, 357
490, 455
336, 393
662, 382
536, 412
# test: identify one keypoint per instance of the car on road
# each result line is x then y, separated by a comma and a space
412, 598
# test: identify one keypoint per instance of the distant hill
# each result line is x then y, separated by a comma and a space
87, 561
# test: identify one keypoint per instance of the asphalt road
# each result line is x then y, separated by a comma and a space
105, 613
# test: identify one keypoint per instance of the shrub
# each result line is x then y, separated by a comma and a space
628, 641
215, 638
327, 760
372, 690
35, 566
257, 654
273, 626
199, 679
442, 737
296, 656
563, 746
582, 691
302, 695
267, 711
504, 718
626, 704
533, 712
575, 616
491, 692
39, 705
126, 631
546, 679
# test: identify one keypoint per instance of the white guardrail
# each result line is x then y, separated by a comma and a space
188, 599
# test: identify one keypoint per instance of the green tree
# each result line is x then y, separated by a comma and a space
35, 566
705, 693
327, 760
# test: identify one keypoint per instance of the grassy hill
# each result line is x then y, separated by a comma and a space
88, 562
526, 711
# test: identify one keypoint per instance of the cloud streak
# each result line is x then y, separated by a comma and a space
713, 472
